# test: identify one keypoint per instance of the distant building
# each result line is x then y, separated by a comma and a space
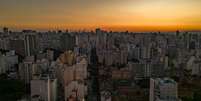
144, 70
123, 73
163, 90
67, 42
4, 44
49, 40
30, 44
2, 64
5, 30
26, 68
18, 45
7, 61
50, 55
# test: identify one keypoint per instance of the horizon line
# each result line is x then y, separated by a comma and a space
113, 28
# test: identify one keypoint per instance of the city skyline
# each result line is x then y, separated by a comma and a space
117, 15
100, 50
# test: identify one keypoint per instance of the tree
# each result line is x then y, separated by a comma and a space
11, 90
197, 95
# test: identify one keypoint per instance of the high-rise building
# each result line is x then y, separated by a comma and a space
67, 42
25, 69
44, 89
18, 45
30, 44
72, 74
8, 61
163, 90
93, 89
2, 64
4, 43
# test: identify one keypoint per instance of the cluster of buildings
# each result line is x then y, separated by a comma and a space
100, 65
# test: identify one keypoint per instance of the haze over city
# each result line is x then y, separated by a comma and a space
100, 50
117, 15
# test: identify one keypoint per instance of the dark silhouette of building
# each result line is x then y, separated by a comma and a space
5, 30
93, 88
67, 42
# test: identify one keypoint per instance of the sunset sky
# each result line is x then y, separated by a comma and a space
132, 15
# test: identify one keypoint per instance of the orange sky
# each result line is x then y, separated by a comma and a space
119, 15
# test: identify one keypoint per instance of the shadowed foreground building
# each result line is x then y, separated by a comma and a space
93, 86
44, 89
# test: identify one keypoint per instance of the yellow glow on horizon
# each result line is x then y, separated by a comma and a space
109, 14
137, 28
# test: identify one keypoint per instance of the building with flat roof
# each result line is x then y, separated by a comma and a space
163, 90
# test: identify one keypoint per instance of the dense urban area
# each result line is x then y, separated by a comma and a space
100, 66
